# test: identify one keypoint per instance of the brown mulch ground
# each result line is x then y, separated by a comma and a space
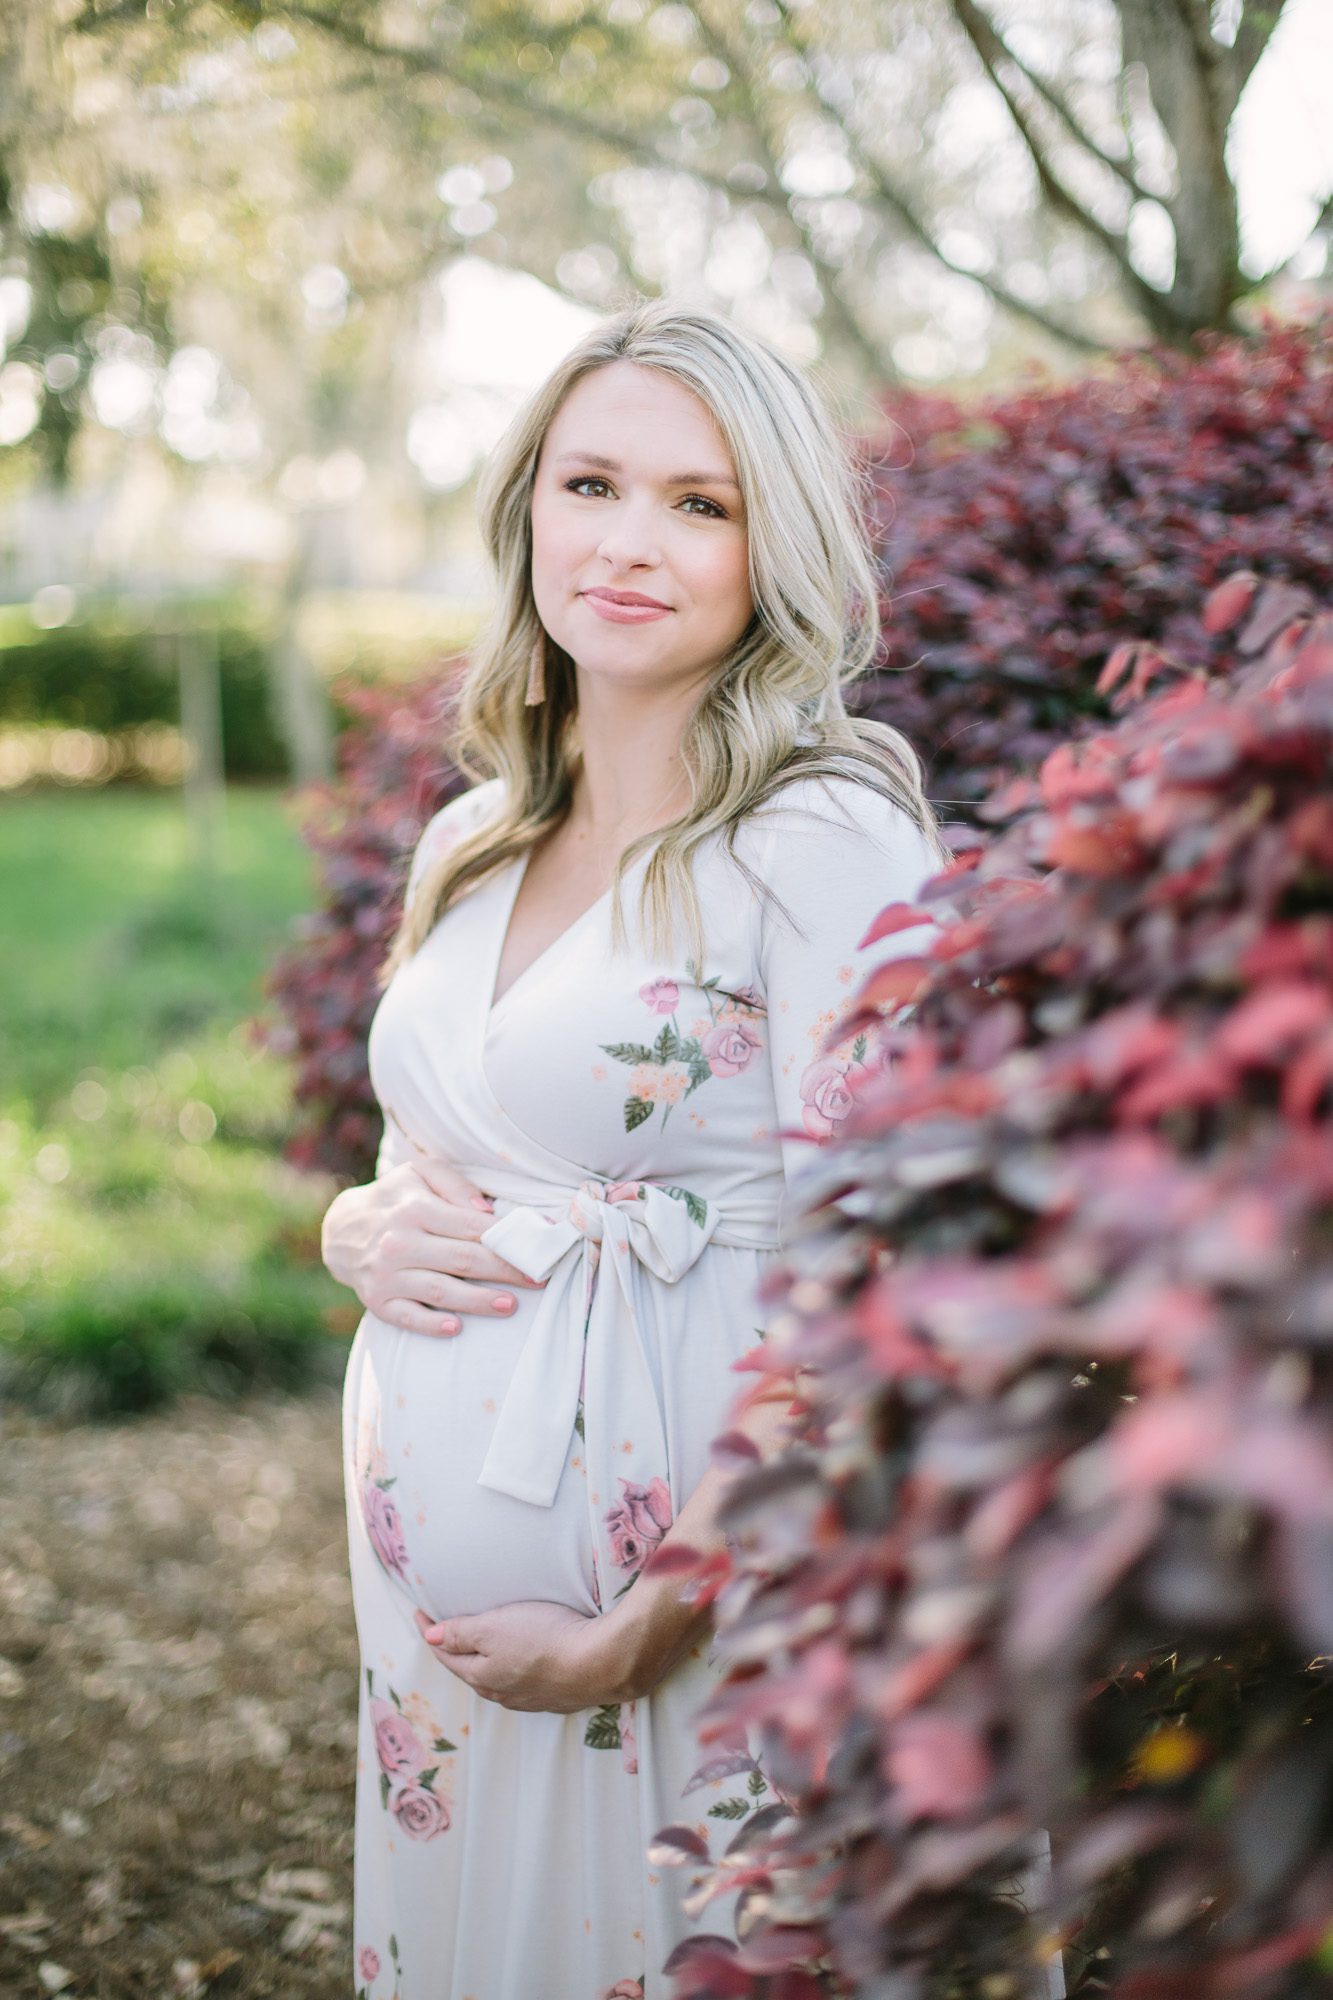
177, 1704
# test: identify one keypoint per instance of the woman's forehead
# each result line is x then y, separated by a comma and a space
621, 408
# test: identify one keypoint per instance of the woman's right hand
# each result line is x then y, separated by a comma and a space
407, 1245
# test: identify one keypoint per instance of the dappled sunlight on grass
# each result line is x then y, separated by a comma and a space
153, 1236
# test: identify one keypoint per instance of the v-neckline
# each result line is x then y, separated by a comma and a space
517, 873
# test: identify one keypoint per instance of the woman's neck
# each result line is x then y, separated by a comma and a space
630, 778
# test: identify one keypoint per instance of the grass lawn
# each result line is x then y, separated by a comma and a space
152, 1238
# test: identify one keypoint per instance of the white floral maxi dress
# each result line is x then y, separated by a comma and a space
625, 1112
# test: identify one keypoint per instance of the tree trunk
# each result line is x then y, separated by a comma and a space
1187, 75
201, 726
302, 704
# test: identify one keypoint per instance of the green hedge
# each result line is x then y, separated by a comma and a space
107, 672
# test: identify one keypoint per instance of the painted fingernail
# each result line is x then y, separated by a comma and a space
449, 1325
505, 1302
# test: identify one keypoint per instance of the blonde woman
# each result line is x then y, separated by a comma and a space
598, 1054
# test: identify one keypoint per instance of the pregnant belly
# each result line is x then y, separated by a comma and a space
418, 1419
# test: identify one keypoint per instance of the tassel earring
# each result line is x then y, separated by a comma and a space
536, 689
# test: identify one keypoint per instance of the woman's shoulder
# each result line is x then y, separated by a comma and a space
813, 818
458, 816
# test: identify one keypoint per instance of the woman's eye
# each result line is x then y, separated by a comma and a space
694, 502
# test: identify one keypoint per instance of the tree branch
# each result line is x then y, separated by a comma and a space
992, 52
901, 206
500, 89
503, 91
1257, 22
978, 24
860, 339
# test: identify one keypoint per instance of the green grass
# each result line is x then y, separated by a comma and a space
152, 1236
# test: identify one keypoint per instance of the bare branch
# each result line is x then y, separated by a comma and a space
981, 28
1257, 23
725, 50
993, 53
93, 19
500, 89
904, 210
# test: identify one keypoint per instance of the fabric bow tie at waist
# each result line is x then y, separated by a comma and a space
597, 1298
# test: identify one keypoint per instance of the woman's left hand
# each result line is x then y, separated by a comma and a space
530, 1655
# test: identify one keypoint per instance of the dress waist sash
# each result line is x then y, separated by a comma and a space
589, 1237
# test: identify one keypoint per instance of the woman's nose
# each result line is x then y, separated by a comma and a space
630, 540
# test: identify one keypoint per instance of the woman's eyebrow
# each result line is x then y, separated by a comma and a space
675, 479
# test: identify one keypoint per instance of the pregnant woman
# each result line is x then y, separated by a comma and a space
604, 1021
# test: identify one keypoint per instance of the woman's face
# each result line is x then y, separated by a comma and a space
639, 543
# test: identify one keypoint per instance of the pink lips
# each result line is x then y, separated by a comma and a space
625, 607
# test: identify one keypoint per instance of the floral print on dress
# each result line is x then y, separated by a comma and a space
624, 1989
830, 1086
721, 1043
613, 1727
384, 1525
410, 1769
629, 1739
636, 1524
369, 1966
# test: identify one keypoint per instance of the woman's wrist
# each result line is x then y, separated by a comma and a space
643, 1637
328, 1239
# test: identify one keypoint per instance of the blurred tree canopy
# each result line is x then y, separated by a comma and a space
275, 181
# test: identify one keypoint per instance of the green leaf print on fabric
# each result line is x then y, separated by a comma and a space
695, 1205
603, 1730
679, 1061
756, 1785
667, 1046
578, 1421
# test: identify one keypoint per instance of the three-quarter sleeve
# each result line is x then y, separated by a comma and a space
455, 817
835, 854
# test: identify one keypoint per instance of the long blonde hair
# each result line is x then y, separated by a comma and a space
773, 709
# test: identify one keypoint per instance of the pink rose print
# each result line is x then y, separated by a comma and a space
368, 1960
625, 1191
419, 1813
625, 1989
828, 1091
638, 1521
400, 1749
729, 1046
384, 1528
629, 1742
662, 995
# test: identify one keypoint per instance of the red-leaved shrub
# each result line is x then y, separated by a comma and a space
362, 830
1013, 538
1052, 1548
1016, 534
